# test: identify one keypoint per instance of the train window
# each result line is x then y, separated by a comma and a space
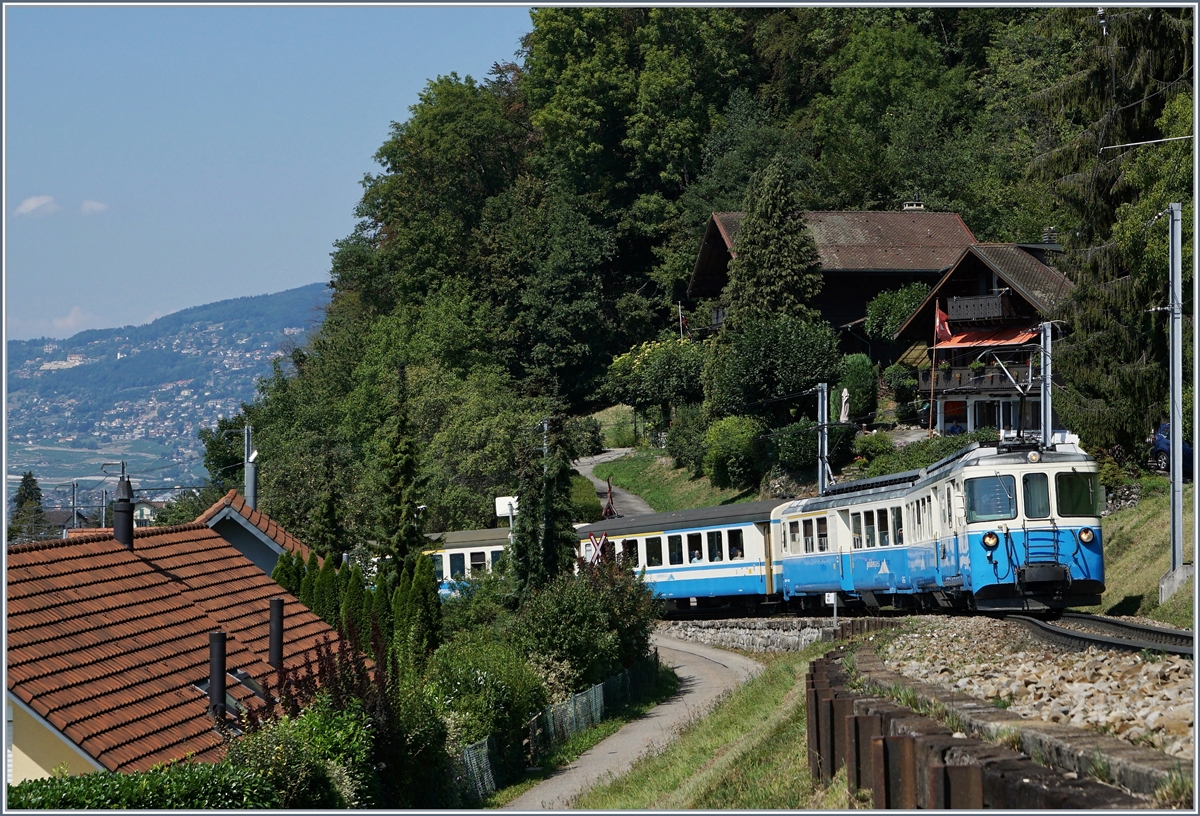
608, 550
991, 498
736, 551
675, 549
1036, 489
478, 562
437, 565
629, 553
695, 549
856, 529
869, 525
808, 535
714, 546
458, 565
1078, 494
793, 535
883, 528
898, 525
654, 551
822, 535
496, 558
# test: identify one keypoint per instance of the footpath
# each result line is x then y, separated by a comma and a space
704, 675
626, 503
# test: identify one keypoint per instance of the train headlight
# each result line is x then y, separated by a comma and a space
1034, 457
990, 539
1086, 535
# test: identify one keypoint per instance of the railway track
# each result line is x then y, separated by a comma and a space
1081, 631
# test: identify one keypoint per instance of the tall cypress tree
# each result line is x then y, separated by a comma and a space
28, 516
426, 612
777, 270
309, 580
284, 573
326, 600
544, 538
328, 532
399, 522
354, 614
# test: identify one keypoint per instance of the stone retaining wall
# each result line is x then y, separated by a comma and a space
765, 635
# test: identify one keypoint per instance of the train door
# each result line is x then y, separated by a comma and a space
768, 570
948, 531
846, 546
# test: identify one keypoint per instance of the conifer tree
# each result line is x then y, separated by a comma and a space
326, 602
283, 574
426, 612
381, 605
400, 522
309, 580
543, 536
28, 516
777, 270
354, 615
402, 613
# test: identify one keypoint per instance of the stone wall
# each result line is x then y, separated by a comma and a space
754, 635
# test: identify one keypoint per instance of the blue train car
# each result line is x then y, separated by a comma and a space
707, 557
1010, 527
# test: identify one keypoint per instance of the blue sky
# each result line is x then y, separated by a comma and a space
164, 157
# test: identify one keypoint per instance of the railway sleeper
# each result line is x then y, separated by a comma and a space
912, 761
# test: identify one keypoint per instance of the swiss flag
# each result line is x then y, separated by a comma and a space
941, 324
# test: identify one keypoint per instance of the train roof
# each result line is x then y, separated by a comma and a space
462, 539
756, 511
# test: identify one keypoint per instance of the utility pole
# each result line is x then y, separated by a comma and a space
822, 436
1047, 413
680, 320
74, 505
1179, 572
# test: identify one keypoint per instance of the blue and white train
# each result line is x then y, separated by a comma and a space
998, 528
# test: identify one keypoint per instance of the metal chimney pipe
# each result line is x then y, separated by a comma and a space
216, 674
251, 475
275, 645
123, 513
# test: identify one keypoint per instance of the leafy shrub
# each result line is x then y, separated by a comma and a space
873, 445
481, 602
795, 446
887, 311
665, 372
925, 452
733, 452
568, 621
184, 785
585, 505
860, 378
320, 759
685, 439
583, 436
902, 382
482, 687
632, 610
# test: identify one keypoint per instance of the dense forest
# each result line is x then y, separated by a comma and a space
528, 228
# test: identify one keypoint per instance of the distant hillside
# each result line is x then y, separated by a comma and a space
160, 382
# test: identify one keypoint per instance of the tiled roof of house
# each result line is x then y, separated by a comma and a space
107, 644
916, 240
1040, 284
236, 503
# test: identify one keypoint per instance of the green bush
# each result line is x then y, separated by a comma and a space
733, 452
861, 379
795, 446
585, 504
483, 687
925, 452
873, 445
568, 621
685, 439
902, 382
184, 785
583, 436
888, 310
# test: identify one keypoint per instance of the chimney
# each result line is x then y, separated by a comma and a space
913, 206
251, 487
216, 675
123, 513
1049, 235
275, 644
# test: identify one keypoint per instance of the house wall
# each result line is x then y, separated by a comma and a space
248, 544
37, 750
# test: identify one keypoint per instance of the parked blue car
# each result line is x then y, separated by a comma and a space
1160, 452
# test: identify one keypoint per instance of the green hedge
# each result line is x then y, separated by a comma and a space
734, 453
185, 785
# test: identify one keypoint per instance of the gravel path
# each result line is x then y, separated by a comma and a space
626, 503
1144, 700
704, 675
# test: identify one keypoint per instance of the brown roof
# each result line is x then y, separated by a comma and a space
1040, 284
107, 644
875, 240
236, 503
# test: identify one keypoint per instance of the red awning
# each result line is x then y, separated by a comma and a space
995, 337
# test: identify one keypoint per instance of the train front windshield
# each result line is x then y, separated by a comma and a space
991, 498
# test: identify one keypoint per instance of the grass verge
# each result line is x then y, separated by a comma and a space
666, 686
747, 754
666, 488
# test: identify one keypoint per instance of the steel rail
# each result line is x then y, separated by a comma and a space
1076, 639
1132, 631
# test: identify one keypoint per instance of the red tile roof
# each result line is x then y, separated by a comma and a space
107, 644
236, 503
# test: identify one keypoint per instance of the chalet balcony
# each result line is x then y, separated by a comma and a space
967, 380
